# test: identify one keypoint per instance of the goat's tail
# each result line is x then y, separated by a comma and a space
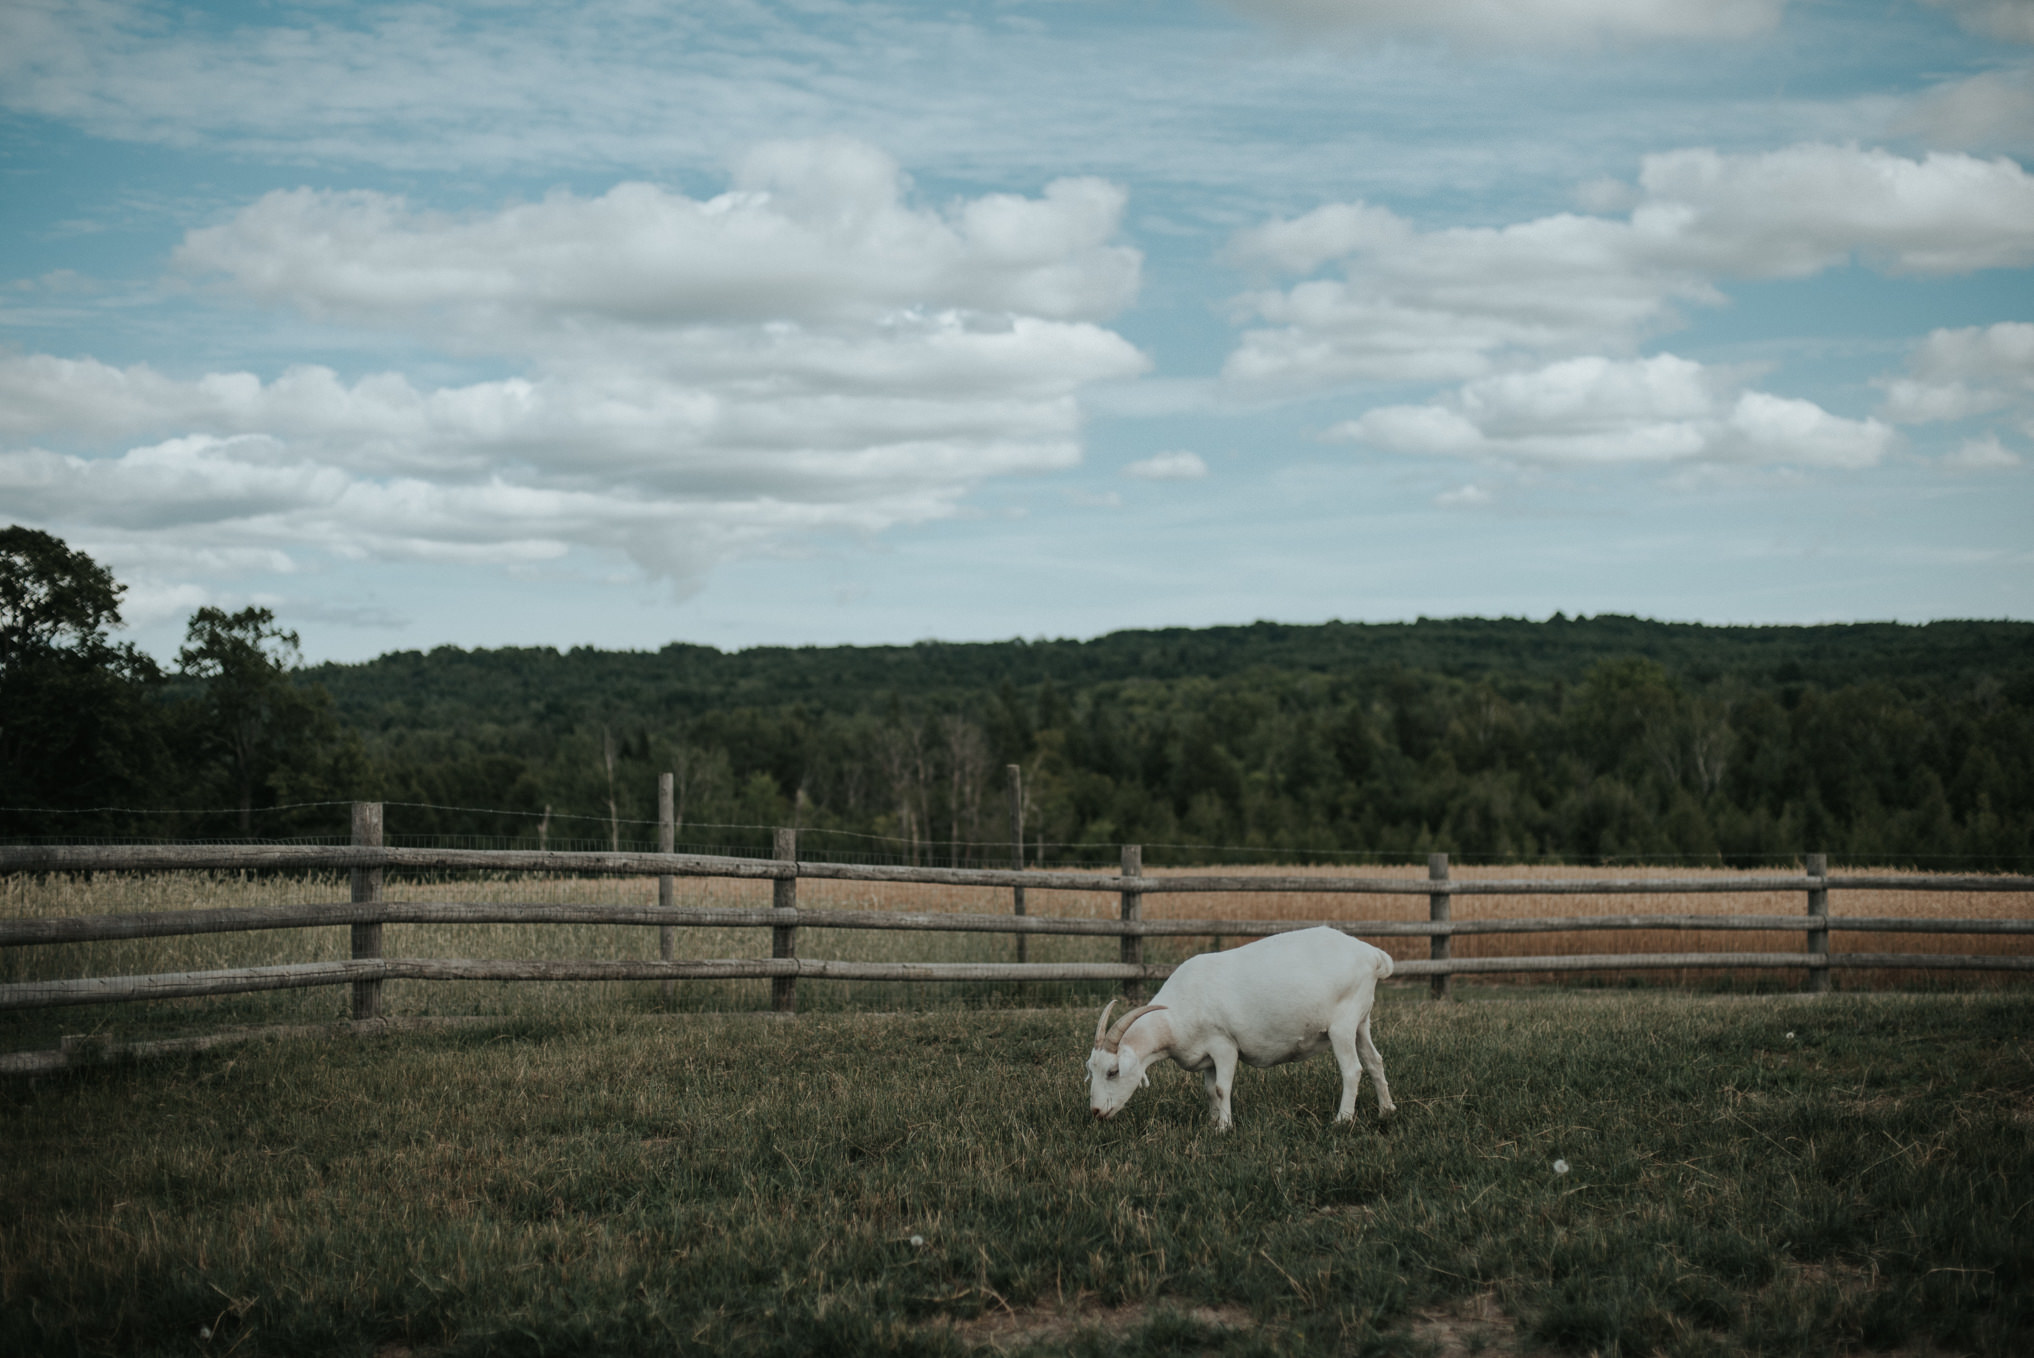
1385, 967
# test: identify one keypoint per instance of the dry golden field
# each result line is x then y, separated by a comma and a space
1293, 905
26, 895
1899, 904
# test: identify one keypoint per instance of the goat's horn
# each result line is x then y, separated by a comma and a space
1115, 1036
1102, 1024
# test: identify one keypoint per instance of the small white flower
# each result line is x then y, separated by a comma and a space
917, 1242
1790, 1037
204, 1333
1560, 1166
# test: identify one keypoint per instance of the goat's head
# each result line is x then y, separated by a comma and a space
1114, 1071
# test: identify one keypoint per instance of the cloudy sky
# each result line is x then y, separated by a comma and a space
810, 322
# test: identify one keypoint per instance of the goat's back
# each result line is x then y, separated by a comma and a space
1285, 983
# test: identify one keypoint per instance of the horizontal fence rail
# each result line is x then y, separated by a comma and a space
245, 857
171, 924
367, 912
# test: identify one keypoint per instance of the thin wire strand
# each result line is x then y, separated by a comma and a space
163, 810
975, 847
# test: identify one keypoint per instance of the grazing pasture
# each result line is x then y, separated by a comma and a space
1628, 1172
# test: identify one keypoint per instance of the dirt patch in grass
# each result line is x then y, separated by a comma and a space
1843, 1277
1472, 1326
1006, 1329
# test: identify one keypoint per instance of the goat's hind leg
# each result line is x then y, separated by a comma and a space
1342, 1037
1374, 1063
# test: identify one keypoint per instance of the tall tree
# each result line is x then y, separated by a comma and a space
77, 725
253, 720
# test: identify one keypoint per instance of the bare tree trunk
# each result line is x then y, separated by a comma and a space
243, 767
247, 738
682, 782
953, 814
921, 796
967, 762
613, 811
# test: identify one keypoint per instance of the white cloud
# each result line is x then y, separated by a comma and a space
322, 80
1982, 454
812, 232
149, 602
1909, 401
1174, 466
2012, 20
1990, 110
1794, 212
2002, 354
1524, 23
197, 479
1598, 411
702, 378
1304, 243
1441, 305
1960, 374
1453, 303
1166, 95
1471, 496
1955, 374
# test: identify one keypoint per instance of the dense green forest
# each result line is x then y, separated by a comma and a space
1587, 738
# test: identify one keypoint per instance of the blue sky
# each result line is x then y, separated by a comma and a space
751, 323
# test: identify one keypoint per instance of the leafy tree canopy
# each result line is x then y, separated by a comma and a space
55, 599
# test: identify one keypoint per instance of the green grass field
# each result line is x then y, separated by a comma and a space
1769, 1175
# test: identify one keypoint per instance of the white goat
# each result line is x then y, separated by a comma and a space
1279, 999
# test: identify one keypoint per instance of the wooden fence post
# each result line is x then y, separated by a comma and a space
1818, 910
366, 890
1133, 908
1016, 772
1438, 909
667, 885
784, 938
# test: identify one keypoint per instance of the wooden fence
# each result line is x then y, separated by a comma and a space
367, 911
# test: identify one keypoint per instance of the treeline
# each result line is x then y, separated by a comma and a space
1625, 763
1582, 738
91, 729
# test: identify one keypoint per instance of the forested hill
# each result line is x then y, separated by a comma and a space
1605, 737
1599, 737
449, 688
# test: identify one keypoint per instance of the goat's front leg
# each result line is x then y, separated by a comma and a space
1220, 1081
